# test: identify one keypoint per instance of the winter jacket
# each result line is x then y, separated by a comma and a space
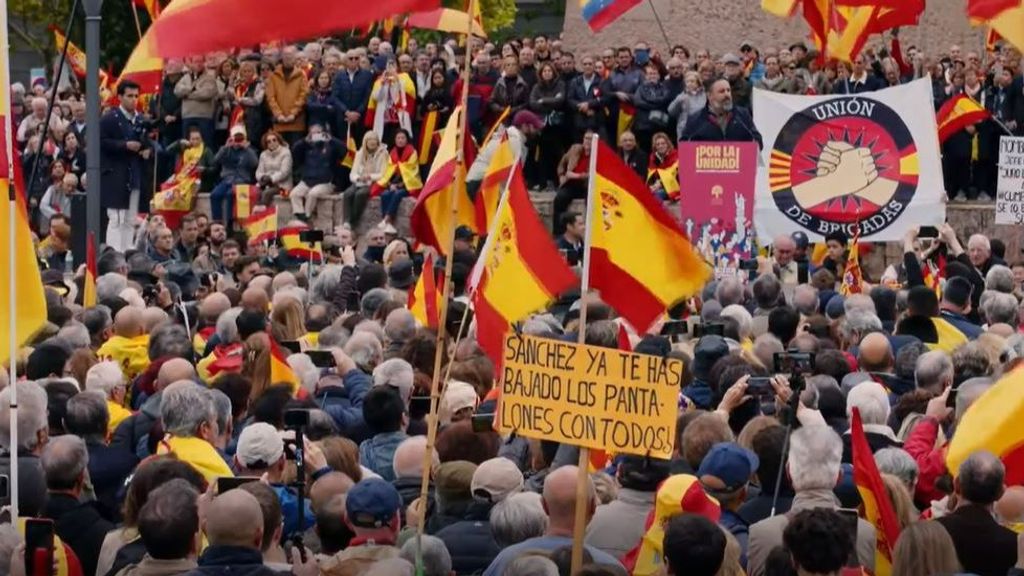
286, 96
198, 94
931, 461
651, 100
316, 161
31, 483
79, 525
357, 559
548, 97
324, 109
703, 127
378, 452
276, 165
108, 469
290, 509
592, 96
369, 166
231, 561
511, 93
684, 105
237, 165
617, 526
345, 404
150, 566
470, 542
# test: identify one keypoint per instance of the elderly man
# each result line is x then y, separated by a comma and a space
261, 451
65, 463
341, 394
396, 373
133, 433
560, 505
168, 524
783, 260
408, 467
287, 89
190, 424
720, 120
107, 379
934, 371
399, 328
86, 418
33, 123
33, 434
372, 511
813, 465
872, 401
233, 525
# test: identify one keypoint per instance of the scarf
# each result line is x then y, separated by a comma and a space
666, 171
238, 112
391, 102
132, 354
405, 162
198, 453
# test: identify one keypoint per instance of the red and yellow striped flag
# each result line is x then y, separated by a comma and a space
245, 200
641, 261
28, 302
89, 286
76, 56
1004, 17
853, 279
519, 270
425, 298
431, 219
261, 227
280, 371
958, 113
144, 66
428, 130
350, 149
447, 20
876, 507
493, 183
295, 247
626, 114
840, 28
993, 424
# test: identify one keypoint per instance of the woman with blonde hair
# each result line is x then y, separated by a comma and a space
923, 549
902, 501
368, 166
395, 249
256, 363
287, 321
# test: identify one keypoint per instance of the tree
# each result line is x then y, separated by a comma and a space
497, 14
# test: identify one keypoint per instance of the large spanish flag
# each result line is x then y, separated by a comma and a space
600, 13
145, 67
493, 183
76, 56
993, 423
876, 507
187, 27
640, 259
425, 297
447, 20
431, 219
262, 226
1004, 17
89, 285
28, 302
839, 30
958, 113
519, 270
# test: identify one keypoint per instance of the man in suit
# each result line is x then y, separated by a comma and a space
124, 149
352, 88
983, 546
77, 125
721, 120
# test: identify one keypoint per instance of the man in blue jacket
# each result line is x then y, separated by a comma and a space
352, 87
341, 396
721, 120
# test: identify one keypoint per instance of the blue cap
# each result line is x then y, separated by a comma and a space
800, 239
372, 503
836, 307
727, 467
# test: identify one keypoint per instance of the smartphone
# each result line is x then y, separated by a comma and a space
674, 329
850, 517
760, 387
38, 547
292, 346
296, 418
225, 483
483, 422
951, 399
928, 232
419, 405
793, 362
311, 236
321, 358
748, 265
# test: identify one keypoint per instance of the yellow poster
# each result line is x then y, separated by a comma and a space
598, 398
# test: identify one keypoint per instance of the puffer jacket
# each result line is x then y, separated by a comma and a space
277, 165
470, 541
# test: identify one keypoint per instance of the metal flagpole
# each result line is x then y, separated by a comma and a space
12, 221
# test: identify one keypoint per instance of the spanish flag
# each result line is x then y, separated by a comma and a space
406, 163
350, 148
448, 20
519, 270
225, 359
640, 259
431, 219
494, 127
152, 8
76, 56
493, 183
876, 507
261, 227
144, 66
853, 279
27, 302
280, 371
295, 247
958, 113
839, 29
425, 298
89, 286
993, 424
991, 39
600, 13
428, 130
666, 171
245, 199
784, 8
626, 114
406, 104
1004, 17
174, 199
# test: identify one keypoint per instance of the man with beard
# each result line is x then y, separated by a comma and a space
721, 121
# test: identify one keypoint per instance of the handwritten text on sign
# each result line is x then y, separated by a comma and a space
594, 397
1010, 188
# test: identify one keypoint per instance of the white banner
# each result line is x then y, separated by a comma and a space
838, 162
1010, 190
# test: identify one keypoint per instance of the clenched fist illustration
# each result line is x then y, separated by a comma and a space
842, 170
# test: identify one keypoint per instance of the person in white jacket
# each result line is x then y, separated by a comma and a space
370, 162
274, 171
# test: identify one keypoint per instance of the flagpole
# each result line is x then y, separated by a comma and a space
135, 13
582, 481
449, 242
12, 221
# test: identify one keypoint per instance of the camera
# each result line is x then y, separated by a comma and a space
748, 265
793, 363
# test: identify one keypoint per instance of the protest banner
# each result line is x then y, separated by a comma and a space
718, 180
1010, 188
597, 398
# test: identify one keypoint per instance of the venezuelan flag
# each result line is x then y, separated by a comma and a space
600, 13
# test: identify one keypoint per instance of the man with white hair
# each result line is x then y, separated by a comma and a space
396, 373
110, 286
364, 348
813, 466
32, 123
33, 434
744, 321
872, 401
999, 307
341, 394
805, 300
1000, 279
784, 259
190, 425
399, 328
107, 377
408, 466
934, 371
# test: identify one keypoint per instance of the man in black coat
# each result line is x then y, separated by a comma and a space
352, 87
720, 120
983, 546
124, 149
585, 101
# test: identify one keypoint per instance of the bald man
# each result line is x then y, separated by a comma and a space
263, 282
1010, 508
129, 322
129, 344
283, 280
560, 505
875, 354
327, 487
212, 307
408, 465
153, 318
255, 299
233, 519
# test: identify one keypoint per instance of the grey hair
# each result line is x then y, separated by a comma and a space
372, 300
64, 460
76, 335
1000, 308
400, 325
372, 327
87, 415
110, 286
517, 518
9, 540
321, 425
859, 302
96, 319
531, 565
304, 368
334, 336
968, 392
871, 399
805, 299
170, 341
729, 291
815, 455
1000, 279
437, 561
227, 327
364, 349
391, 567
860, 323
742, 317
32, 415
397, 373
326, 283
104, 377
897, 462
934, 370
184, 406
767, 291
222, 407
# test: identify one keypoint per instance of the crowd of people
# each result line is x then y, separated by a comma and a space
134, 414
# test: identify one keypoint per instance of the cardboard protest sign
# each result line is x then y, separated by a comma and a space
598, 398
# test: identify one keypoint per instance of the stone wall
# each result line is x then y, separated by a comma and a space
722, 25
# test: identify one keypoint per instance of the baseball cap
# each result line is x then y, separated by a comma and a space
727, 467
259, 446
527, 118
800, 239
453, 480
457, 396
238, 129
372, 503
401, 274
496, 479
731, 58
464, 233
836, 307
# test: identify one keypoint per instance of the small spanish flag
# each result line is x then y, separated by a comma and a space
350, 149
291, 242
245, 199
957, 114
89, 290
853, 279
280, 371
626, 114
261, 227
425, 298
493, 184
428, 132
876, 507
